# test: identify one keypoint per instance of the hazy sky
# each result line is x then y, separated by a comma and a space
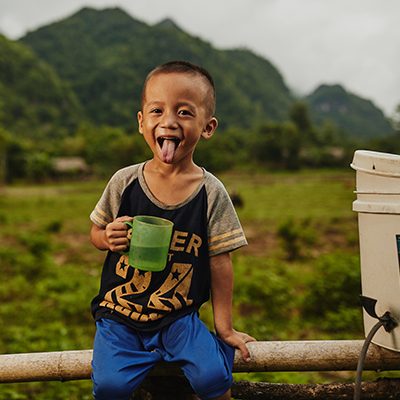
352, 42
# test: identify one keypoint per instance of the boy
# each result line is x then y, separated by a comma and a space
144, 317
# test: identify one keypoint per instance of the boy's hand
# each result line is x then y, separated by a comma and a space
116, 234
238, 340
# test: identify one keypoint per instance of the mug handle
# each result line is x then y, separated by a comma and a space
130, 224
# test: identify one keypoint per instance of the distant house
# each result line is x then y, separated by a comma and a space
70, 166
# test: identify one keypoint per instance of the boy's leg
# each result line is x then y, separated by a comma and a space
120, 363
206, 361
225, 396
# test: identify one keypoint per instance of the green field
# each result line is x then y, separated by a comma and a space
298, 278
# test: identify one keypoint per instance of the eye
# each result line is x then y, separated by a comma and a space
185, 112
155, 110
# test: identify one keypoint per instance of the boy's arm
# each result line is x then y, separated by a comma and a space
113, 237
221, 292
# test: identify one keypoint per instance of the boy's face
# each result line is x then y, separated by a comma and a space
175, 115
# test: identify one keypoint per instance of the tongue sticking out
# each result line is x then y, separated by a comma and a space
168, 150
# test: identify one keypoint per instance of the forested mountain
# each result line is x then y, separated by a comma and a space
348, 111
91, 65
34, 102
106, 54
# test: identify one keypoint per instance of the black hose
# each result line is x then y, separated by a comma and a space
361, 359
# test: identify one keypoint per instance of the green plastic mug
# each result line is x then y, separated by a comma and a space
151, 237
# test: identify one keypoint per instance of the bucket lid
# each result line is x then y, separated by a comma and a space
373, 162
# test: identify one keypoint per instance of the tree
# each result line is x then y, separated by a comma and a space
3, 153
395, 120
278, 144
299, 115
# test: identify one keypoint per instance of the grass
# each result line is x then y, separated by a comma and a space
272, 198
301, 231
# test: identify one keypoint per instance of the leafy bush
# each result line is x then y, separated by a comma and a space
333, 291
296, 237
223, 151
263, 295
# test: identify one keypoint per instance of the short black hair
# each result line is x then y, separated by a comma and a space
185, 67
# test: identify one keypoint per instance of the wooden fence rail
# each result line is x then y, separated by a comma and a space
278, 356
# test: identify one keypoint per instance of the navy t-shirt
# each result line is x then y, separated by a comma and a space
205, 224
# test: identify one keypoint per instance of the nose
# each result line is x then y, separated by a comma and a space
169, 120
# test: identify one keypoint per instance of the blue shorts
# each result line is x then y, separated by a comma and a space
122, 357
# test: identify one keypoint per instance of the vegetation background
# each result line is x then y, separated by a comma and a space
298, 278
68, 92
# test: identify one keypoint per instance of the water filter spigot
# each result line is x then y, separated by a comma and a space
369, 305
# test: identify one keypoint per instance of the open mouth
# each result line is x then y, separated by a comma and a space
162, 139
168, 146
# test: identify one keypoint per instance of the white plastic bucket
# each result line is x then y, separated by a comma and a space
378, 208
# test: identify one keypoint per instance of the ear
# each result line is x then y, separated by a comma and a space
140, 121
210, 128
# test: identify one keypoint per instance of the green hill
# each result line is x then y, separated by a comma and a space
349, 112
105, 55
34, 102
91, 65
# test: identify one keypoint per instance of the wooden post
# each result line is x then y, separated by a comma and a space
51, 366
332, 355
313, 355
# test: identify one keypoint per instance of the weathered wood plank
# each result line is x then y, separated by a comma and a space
165, 388
384, 389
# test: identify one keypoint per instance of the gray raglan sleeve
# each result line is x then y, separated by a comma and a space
107, 208
225, 232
